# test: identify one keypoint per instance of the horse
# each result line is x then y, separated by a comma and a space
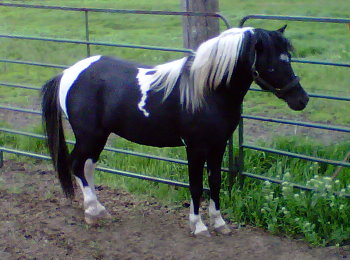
193, 102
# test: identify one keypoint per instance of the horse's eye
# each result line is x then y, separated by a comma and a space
284, 57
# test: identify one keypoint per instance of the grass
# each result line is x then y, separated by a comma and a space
318, 217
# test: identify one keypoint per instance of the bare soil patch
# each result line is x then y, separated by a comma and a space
37, 222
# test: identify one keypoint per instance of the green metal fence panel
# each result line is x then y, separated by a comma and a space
236, 165
88, 44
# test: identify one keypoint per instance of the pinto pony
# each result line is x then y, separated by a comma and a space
193, 102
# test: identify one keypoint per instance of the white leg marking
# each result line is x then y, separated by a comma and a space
216, 220
93, 208
89, 168
196, 224
70, 75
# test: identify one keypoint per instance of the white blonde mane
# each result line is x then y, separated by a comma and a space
213, 60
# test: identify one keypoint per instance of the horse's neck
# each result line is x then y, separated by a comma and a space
238, 86
242, 76
228, 98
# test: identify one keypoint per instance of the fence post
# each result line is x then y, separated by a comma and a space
1, 158
240, 160
87, 35
197, 29
231, 165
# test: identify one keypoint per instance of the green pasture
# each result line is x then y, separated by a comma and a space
319, 218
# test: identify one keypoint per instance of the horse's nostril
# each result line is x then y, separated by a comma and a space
307, 99
304, 101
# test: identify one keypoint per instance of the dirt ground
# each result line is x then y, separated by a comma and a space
36, 222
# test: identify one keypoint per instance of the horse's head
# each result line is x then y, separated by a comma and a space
272, 68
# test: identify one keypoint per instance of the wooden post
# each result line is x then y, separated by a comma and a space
198, 29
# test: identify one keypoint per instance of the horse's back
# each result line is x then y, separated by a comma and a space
108, 97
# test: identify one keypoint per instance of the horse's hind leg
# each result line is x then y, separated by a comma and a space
84, 157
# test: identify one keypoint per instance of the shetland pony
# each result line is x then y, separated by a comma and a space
193, 102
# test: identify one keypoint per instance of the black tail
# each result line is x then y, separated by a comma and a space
52, 122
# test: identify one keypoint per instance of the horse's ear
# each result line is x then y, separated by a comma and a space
282, 29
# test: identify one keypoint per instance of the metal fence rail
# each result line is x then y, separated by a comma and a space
88, 43
119, 11
298, 123
235, 166
34, 63
293, 18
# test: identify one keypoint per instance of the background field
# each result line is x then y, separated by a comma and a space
277, 209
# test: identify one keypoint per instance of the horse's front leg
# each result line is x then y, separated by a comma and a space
214, 167
196, 158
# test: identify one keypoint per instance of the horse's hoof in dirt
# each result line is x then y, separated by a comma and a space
225, 230
105, 214
92, 219
204, 233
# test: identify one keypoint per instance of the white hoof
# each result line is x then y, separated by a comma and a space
197, 226
204, 233
92, 219
216, 220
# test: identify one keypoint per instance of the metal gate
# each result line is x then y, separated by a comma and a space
85, 12
236, 163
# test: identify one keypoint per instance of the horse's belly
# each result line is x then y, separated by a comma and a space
160, 133
158, 139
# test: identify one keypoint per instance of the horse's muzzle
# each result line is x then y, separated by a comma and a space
297, 99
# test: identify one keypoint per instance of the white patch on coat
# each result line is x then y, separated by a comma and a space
69, 77
284, 57
145, 82
196, 224
163, 76
216, 219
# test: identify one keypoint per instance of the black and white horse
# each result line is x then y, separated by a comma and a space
193, 102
